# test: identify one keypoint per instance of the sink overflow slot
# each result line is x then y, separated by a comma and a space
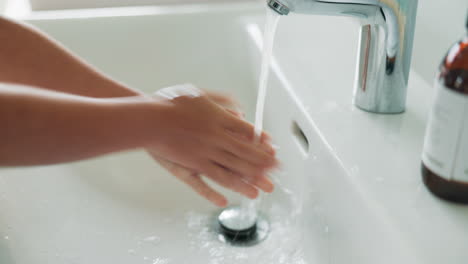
301, 138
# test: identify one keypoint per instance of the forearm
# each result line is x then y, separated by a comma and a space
29, 57
40, 127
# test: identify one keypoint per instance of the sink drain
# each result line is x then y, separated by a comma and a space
235, 228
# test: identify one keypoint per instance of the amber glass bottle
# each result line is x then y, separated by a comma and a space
445, 154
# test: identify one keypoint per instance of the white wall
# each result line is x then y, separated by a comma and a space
440, 23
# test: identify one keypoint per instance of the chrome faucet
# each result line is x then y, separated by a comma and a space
386, 43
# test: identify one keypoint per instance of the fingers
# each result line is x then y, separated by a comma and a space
168, 165
235, 113
260, 155
253, 174
220, 175
227, 102
230, 180
192, 179
222, 99
236, 124
240, 127
197, 183
245, 130
265, 139
261, 181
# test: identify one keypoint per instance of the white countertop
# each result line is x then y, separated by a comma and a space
380, 153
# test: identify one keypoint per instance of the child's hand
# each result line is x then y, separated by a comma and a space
212, 141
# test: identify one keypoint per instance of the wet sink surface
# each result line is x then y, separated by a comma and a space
121, 209
124, 208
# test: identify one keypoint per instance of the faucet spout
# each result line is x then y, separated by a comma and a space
278, 7
385, 48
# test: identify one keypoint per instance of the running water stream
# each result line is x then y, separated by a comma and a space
285, 244
249, 207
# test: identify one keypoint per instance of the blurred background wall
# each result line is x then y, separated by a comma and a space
440, 23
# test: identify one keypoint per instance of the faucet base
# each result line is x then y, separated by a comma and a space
380, 112
385, 49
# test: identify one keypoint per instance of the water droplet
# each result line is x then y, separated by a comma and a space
6, 237
241, 256
152, 239
131, 252
160, 261
354, 170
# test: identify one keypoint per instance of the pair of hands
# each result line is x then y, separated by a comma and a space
203, 136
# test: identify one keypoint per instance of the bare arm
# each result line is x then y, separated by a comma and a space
42, 127
29, 57
46, 127
56, 129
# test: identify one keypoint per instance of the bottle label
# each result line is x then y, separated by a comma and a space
461, 162
446, 144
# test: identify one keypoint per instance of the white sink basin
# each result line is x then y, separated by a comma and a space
349, 193
124, 208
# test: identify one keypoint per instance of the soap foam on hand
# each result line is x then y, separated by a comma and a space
186, 89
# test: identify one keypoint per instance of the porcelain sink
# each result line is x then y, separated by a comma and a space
124, 208
349, 190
